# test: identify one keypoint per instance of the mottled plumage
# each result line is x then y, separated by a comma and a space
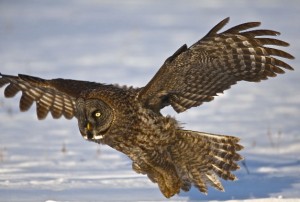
129, 119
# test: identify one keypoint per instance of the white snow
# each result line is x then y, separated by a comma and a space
126, 42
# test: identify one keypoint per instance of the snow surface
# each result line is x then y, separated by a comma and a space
126, 42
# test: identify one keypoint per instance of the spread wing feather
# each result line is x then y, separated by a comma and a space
196, 74
57, 96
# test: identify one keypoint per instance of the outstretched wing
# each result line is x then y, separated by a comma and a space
196, 74
57, 96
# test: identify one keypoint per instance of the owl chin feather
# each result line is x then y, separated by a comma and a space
99, 137
91, 136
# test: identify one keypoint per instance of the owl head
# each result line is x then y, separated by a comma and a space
95, 117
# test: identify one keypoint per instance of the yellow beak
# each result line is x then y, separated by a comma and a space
89, 127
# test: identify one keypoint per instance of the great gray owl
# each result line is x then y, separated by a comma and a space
129, 119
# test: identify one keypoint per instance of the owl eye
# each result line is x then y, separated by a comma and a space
96, 114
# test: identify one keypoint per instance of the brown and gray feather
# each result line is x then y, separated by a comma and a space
129, 119
219, 60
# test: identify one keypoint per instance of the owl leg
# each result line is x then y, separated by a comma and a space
162, 174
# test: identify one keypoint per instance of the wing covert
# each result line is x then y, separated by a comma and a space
213, 64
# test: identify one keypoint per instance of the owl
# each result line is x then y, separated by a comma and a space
129, 120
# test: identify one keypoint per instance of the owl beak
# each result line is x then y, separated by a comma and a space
87, 132
89, 126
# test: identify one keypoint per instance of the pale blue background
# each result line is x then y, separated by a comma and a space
126, 42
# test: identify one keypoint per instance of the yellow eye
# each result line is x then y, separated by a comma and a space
97, 114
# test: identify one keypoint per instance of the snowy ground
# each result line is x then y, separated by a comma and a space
126, 42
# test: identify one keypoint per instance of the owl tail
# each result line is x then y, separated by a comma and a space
200, 158
191, 158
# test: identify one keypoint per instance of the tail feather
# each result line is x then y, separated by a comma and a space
190, 159
197, 180
200, 158
214, 181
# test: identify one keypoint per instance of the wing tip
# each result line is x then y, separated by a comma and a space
218, 27
226, 20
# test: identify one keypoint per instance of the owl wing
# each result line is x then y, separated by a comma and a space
57, 96
196, 74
